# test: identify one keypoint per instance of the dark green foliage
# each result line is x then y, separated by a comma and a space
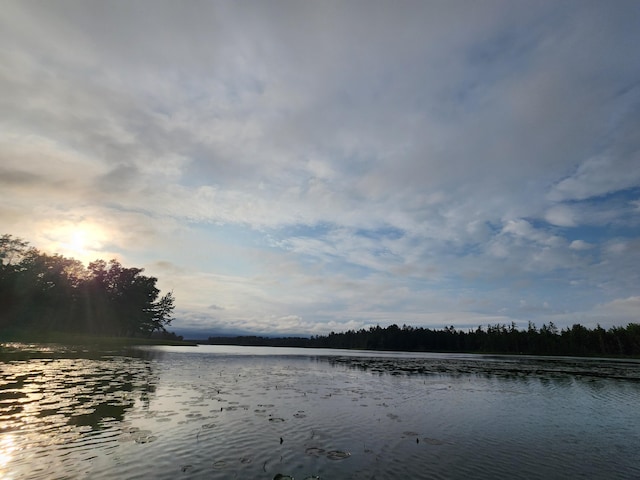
499, 338
577, 340
41, 292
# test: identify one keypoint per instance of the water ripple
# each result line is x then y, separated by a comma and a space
171, 414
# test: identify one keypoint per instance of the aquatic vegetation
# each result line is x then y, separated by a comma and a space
337, 455
106, 416
315, 451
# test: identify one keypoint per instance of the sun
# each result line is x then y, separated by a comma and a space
82, 242
78, 241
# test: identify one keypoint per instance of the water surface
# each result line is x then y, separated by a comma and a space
257, 412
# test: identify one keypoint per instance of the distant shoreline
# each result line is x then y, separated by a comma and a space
86, 340
73, 339
311, 343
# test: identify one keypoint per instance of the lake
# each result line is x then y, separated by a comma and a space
224, 412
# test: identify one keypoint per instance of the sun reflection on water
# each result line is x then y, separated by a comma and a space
7, 447
55, 400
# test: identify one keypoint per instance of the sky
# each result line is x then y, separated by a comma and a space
301, 167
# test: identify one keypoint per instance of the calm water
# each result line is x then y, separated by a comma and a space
256, 413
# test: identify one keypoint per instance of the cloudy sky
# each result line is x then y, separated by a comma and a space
300, 167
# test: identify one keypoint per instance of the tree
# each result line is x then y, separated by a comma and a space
162, 313
11, 252
127, 300
11, 249
43, 292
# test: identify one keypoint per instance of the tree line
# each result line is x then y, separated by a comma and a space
499, 338
44, 293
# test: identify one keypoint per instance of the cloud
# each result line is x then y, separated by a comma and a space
580, 245
316, 166
561, 215
11, 177
622, 308
615, 313
599, 176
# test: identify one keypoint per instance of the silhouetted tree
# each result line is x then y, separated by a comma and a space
50, 292
577, 340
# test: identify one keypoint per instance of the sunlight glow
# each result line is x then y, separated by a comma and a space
78, 240
84, 242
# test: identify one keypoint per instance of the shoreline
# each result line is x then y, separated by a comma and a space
64, 338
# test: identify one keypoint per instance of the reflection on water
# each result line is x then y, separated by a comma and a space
234, 412
59, 404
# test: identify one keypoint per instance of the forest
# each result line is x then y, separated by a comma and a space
546, 340
51, 293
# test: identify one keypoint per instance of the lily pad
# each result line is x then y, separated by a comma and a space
337, 455
145, 438
314, 451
